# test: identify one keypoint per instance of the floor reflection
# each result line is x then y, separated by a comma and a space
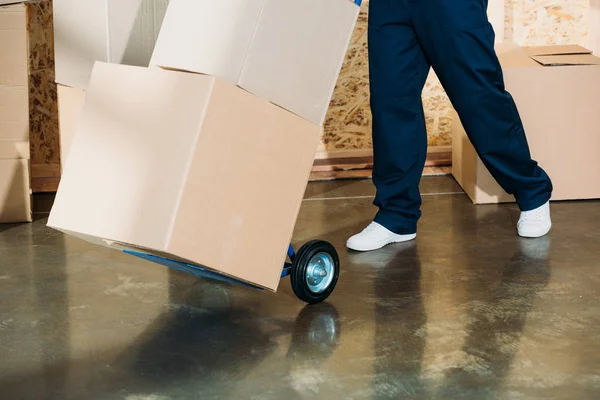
496, 322
399, 322
216, 350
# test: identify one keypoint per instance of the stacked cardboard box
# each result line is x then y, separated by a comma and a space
557, 91
26, 107
112, 31
289, 52
204, 157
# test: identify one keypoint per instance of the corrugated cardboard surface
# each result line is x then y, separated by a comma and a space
116, 31
559, 109
14, 112
297, 54
13, 45
11, 149
15, 196
197, 168
15, 200
207, 36
15, 187
246, 183
129, 154
288, 52
70, 105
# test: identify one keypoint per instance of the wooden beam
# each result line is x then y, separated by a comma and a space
353, 164
45, 178
368, 174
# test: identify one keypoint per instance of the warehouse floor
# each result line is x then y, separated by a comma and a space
468, 311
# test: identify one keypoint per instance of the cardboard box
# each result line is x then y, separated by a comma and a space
70, 106
15, 186
14, 111
116, 31
187, 166
15, 191
557, 91
14, 80
288, 52
28, 112
15, 181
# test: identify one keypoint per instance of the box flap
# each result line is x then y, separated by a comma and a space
567, 59
556, 50
562, 55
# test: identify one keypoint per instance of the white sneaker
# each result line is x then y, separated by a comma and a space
375, 237
535, 223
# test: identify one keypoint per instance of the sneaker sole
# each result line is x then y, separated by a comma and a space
529, 235
381, 245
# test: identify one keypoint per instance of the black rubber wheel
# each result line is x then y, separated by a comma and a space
315, 271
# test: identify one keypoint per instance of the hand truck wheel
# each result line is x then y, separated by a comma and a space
315, 271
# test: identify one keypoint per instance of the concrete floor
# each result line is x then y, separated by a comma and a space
468, 311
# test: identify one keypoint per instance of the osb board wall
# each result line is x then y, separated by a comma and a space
527, 22
43, 106
593, 41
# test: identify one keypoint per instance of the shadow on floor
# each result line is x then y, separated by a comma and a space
202, 340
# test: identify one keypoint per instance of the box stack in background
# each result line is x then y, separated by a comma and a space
205, 156
28, 116
557, 92
112, 31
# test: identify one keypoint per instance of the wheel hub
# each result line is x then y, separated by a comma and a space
319, 273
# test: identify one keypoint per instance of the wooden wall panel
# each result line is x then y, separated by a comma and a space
43, 107
593, 41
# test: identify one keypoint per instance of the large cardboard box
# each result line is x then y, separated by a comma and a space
70, 106
557, 91
288, 52
187, 166
116, 31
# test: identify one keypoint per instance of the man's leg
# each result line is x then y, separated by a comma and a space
458, 40
398, 71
